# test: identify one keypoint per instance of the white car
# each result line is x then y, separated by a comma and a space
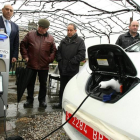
109, 81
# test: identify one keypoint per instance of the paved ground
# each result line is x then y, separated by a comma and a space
17, 111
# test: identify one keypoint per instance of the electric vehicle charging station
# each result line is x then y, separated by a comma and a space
4, 70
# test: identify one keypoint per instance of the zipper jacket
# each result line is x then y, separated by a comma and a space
125, 40
70, 53
40, 49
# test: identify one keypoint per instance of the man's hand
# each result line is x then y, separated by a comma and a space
26, 59
14, 59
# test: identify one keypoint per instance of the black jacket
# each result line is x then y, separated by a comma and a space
125, 40
69, 55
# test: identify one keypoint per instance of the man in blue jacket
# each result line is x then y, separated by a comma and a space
70, 53
11, 29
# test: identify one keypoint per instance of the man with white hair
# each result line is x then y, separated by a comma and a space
11, 29
131, 37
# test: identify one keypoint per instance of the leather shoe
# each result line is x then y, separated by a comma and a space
57, 106
43, 104
28, 104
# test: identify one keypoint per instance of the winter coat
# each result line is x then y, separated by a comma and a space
69, 55
125, 40
40, 49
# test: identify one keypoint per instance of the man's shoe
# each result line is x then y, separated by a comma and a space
43, 104
28, 104
57, 106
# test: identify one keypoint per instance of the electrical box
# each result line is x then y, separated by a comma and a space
4, 70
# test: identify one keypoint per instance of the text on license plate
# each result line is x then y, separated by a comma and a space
85, 129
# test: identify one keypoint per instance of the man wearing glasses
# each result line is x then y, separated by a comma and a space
70, 53
38, 49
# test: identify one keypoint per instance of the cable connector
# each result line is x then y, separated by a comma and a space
114, 84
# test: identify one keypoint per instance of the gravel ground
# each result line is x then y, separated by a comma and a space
38, 126
34, 127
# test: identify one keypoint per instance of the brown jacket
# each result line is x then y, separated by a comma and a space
40, 49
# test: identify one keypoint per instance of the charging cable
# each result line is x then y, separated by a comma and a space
4, 107
72, 114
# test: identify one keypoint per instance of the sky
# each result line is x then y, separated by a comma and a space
87, 26
137, 1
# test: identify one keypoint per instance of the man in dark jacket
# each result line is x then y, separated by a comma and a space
11, 29
69, 55
38, 49
131, 37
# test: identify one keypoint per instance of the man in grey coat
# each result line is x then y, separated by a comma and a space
70, 53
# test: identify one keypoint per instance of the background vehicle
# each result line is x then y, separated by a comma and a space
111, 112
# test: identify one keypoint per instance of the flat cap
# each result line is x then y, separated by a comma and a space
44, 23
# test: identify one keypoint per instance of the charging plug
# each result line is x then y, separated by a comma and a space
114, 84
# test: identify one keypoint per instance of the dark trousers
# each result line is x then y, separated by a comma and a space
42, 74
63, 82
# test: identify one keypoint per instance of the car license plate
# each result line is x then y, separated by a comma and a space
85, 129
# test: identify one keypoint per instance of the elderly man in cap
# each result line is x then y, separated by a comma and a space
38, 49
